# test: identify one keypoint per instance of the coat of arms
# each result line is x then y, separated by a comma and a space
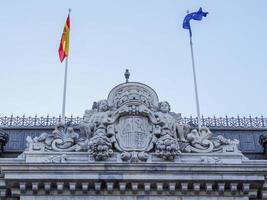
131, 125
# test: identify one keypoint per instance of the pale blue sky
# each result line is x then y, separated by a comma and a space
108, 36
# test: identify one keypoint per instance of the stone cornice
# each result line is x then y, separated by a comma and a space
133, 179
128, 168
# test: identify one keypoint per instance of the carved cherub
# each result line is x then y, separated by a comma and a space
102, 115
98, 117
169, 125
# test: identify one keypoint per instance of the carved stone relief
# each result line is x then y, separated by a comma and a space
133, 124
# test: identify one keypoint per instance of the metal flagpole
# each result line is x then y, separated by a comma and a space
65, 86
186, 25
64, 91
195, 83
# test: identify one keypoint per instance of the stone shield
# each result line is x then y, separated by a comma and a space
134, 133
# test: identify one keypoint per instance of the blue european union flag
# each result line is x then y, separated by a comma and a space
194, 15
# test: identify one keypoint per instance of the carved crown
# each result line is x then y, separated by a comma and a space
132, 93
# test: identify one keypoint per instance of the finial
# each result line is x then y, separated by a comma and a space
187, 11
127, 75
69, 10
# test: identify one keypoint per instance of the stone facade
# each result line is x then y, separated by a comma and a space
131, 146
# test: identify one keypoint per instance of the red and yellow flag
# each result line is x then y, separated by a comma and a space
63, 49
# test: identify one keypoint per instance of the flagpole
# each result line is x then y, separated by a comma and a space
186, 25
195, 83
64, 91
65, 87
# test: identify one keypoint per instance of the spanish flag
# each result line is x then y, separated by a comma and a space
63, 49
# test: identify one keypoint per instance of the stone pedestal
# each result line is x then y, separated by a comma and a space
85, 157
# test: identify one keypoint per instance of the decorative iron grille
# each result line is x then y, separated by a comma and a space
214, 122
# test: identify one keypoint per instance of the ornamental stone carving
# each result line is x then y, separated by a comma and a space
62, 139
167, 147
131, 125
203, 141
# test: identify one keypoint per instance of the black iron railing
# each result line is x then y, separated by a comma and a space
228, 122
214, 122
35, 121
